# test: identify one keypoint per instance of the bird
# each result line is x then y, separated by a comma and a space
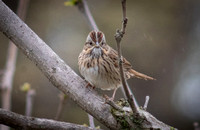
98, 64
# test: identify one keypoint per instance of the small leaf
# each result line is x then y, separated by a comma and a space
98, 127
25, 87
71, 2
85, 125
68, 3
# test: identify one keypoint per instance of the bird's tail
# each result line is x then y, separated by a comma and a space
140, 75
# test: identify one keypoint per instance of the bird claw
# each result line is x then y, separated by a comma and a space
89, 85
108, 98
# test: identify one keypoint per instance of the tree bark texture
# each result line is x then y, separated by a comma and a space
62, 76
54, 68
21, 122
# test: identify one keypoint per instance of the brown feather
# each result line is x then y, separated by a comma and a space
129, 72
140, 75
98, 64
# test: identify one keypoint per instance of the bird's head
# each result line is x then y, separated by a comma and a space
96, 44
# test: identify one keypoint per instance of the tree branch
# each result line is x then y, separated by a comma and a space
55, 69
62, 98
62, 76
146, 119
20, 122
83, 7
7, 78
91, 121
29, 102
146, 102
118, 37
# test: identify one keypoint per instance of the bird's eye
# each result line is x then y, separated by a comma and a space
90, 43
102, 43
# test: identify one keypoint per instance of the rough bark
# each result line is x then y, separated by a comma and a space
54, 68
7, 79
21, 122
63, 77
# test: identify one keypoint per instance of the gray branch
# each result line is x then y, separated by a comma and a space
118, 37
7, 78
146, 102
91, 121
54, 68
21, 122
61, 75
62, 98
29, 102
83, 7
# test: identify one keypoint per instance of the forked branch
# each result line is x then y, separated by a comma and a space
118, 37
54, 68
139, 115
60, 74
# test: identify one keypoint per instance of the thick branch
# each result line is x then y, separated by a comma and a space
20, 122
54, 68
61, 75
7, 79
9, 71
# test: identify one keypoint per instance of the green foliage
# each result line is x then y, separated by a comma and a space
98, 127
85, 125
71, 2
25, 87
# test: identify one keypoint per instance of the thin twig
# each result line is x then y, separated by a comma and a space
29, 102
146, 102
83, 7
91, 121
125, 20
113, 104
62, 97
118, 37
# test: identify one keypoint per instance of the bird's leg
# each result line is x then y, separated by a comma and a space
114, 92
113, 96
89, 85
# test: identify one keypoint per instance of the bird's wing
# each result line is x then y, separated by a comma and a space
114, 56
129, 72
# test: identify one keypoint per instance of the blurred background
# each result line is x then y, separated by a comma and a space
162, 40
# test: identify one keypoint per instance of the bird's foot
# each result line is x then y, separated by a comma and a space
90, 86
108, 98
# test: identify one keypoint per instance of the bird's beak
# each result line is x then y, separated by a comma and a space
97, 43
